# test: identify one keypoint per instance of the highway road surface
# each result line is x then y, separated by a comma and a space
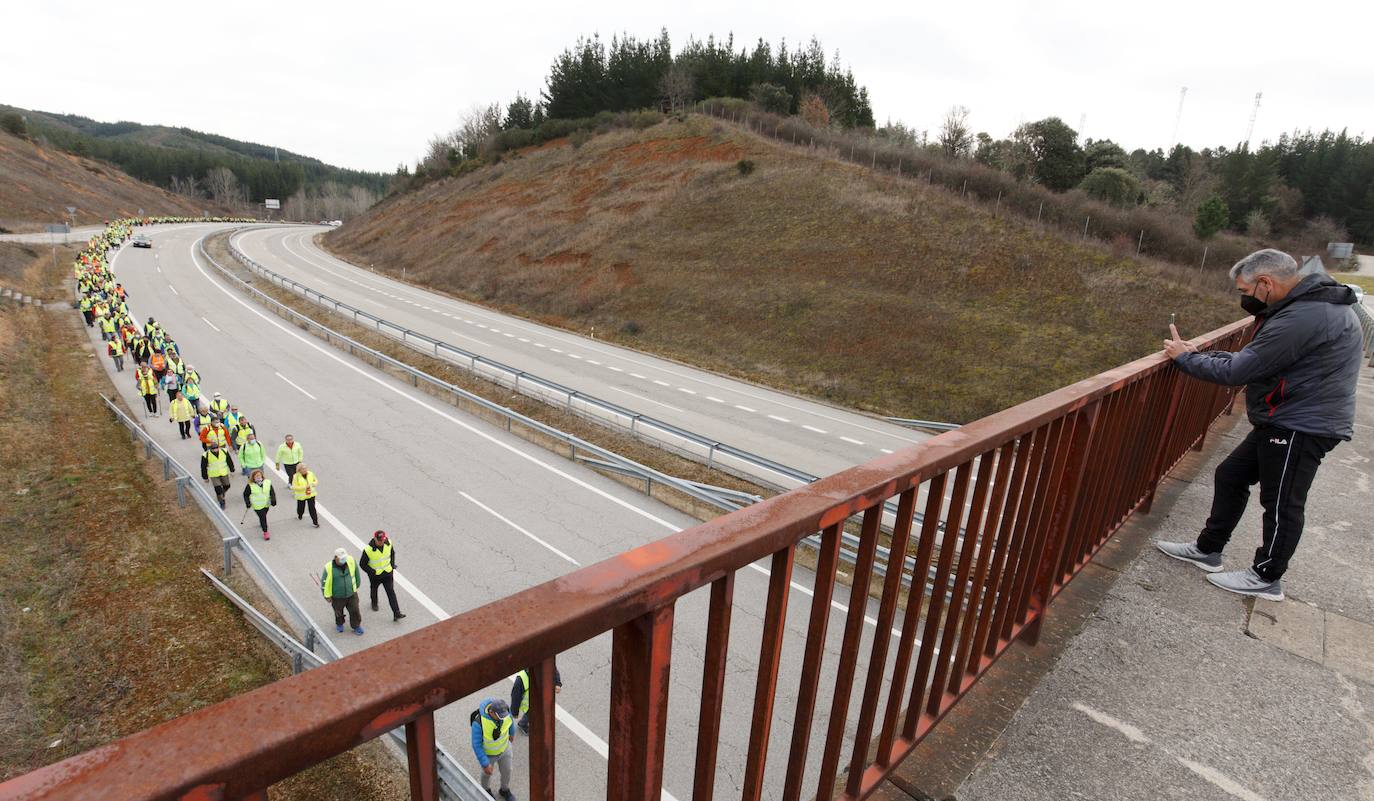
808, 435
476, 515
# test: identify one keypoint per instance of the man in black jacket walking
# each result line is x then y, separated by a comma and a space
1300, 373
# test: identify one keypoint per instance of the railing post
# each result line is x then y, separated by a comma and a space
542, 731
1063, 517
641, 654
423, 758
181, 491
228, 556
1176, 378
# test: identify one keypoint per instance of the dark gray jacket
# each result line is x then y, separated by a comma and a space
1301, 368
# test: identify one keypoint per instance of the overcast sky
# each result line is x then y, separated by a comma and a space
365, 85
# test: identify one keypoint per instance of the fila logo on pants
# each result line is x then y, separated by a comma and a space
1277, 441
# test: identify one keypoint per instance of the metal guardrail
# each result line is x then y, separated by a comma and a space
537, 387
1047, 482
930, 425
418, 377
726, 501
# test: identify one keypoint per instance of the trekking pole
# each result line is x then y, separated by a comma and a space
244, 519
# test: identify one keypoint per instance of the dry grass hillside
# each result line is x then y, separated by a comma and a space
806, 273
37, 184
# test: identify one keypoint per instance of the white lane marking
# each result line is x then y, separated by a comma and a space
465, 336
885, 450
688, 391
609, 350
814, 429
212, 325
852, 441
643, 398
573, 356
636, 375
714, 399
495, 330
1220, 780
1208, 773
297, 386
613, 367
779, 419
594, 361
174, 289
555, 350
159, 267
524, 339
515, 526
662, 383
1126, 730
745, 408
540, 345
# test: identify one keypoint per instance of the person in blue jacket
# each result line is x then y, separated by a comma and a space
493, 731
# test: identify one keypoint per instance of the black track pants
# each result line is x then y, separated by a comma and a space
1283, 463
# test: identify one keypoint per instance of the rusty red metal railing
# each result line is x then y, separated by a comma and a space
1036, 490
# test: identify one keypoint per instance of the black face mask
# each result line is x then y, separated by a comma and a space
1252, 304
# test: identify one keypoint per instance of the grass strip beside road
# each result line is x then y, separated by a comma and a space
106, 625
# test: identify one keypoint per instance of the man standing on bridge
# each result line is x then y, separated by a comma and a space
1300, 373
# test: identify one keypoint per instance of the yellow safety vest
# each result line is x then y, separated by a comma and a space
216, 465
219, 407
242, 436
329, 576
291, 455
378, 560
495, 741
303, 486
147, 383
180, 410
260, 495
524, 676
217, 435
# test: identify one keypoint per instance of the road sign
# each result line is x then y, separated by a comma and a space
273, 203
71, 209
59, 228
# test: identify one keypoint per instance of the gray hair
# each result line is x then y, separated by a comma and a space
1269, 262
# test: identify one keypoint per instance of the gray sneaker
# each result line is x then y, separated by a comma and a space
1248, 582
1188, 552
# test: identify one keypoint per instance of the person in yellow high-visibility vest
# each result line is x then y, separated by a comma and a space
258, 496
493, 731
520, 696
379, 563
339, 583
303, 485
215, 466
147, 387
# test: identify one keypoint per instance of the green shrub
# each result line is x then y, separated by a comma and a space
1212, 216
1112, 185
579, 137
646, 119
13, 122
745, 166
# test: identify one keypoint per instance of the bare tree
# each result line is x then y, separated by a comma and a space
677, 87
223, 186
956, 140
476, 129
187, 186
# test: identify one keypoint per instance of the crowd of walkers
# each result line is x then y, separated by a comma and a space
229, 443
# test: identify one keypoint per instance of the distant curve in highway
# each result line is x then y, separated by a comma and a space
805, 434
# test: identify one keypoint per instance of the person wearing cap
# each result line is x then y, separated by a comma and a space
520, 695
258, 495
303, 486
219, 405
239, 427
147, 387
190, 387
379, 563
215, 466
339, 583
179, 411
493, 731
251, 453
289, 455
